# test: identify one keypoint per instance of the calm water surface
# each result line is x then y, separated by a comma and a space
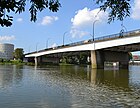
68, 87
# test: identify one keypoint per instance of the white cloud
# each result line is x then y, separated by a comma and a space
86, 17
48, 20
78, 33
136, 10
7, 38
19, 20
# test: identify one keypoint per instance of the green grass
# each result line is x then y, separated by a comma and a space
15, 62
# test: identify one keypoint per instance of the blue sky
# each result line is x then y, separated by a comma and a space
75, 18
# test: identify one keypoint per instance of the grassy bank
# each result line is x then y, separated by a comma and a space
15, 62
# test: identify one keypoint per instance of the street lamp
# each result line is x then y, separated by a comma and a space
122, 30
64, 37
47, 42
36, 46
93, 29
123, 27
29, 48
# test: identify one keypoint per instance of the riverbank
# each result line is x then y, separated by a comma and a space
19, 62
16, 62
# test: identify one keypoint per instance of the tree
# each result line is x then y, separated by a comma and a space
18, 54
117, 8
130, 56
18, 6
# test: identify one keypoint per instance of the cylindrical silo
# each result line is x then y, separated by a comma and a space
6, 51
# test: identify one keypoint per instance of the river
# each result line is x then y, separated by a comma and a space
68, 87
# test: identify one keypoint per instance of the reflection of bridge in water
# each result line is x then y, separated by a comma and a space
110, 78
118, 78
112, 48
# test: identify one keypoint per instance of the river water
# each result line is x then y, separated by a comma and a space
68, 87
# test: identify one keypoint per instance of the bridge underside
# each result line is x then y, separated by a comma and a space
98, 58
75, 57
114, 54
125, 48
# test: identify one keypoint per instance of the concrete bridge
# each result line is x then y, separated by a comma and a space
111, 48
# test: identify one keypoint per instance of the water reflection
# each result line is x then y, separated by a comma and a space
118, 78
74, 71
10, 74
68, 86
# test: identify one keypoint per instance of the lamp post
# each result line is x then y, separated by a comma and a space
47, 42
36, 46
123, 27
93, 29
64, 37
29, 48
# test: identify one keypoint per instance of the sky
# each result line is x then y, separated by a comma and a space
74, 21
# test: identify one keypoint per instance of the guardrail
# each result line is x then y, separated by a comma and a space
119, 35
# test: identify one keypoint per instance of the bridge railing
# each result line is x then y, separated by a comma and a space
118, 35
108, 37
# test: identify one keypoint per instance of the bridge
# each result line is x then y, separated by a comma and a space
112, 48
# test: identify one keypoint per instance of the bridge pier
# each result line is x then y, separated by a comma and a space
99, 57
38, 60
93, 59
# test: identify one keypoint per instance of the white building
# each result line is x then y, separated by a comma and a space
6, 51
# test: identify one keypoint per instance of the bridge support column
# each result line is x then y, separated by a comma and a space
97, 59
93, 59
36, 61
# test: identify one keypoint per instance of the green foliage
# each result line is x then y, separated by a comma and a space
1, 60
64, 60
80, 58
119, 9
16, 61
18, 54
18, 6
83, 58
130, 56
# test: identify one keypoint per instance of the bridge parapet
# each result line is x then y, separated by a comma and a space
118, 35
